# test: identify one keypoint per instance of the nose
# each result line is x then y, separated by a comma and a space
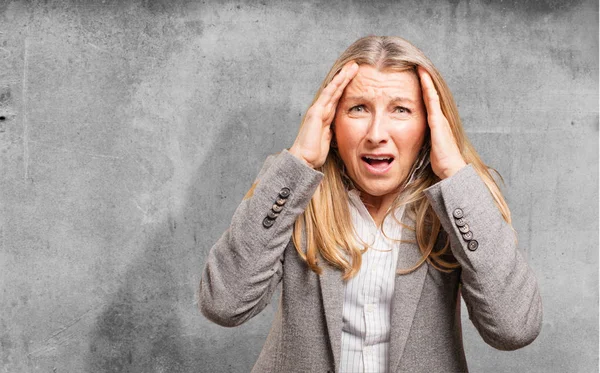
377, 132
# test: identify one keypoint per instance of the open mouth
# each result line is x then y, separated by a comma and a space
378, 163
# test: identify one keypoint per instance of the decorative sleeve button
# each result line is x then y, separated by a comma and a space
464, 229
268, 223
277, 207
284, 193
458, 213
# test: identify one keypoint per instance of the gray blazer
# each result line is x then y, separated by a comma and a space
252, 257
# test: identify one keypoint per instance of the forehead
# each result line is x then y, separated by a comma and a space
369, 81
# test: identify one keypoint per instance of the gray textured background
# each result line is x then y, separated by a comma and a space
129, 132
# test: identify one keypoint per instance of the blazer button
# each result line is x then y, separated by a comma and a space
277, 208
473, 245
464, 228
268, 223
468, 236
458, 213
280, 201
284, 193
272, 215
460, 222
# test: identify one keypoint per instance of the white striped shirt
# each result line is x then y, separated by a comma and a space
368, 295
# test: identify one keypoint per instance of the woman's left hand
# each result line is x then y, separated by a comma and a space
445, 156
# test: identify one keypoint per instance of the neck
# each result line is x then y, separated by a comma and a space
378, 206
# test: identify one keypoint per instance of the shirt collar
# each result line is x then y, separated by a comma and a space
357, 203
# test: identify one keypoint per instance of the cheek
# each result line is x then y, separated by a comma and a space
347, 135
409, 139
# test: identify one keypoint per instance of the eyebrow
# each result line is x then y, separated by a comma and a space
394, 99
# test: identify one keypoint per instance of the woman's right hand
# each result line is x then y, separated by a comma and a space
312, 143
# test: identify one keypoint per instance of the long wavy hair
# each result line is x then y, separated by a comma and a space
325, 228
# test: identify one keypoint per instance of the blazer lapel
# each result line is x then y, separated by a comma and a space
332, 290
407, 293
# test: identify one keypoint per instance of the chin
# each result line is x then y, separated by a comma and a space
380, 190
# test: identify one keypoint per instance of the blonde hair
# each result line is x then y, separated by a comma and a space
325, 228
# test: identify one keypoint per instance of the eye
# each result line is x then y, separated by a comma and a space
357, 108
402, 110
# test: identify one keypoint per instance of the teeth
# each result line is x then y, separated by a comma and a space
379, 158
370, 160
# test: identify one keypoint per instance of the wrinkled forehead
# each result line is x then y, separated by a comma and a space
372, 82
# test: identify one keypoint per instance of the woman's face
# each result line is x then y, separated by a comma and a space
380, 125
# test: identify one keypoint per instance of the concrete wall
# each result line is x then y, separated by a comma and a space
129, 132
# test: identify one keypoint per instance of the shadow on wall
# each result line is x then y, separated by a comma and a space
139, 329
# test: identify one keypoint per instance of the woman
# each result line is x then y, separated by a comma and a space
375, 221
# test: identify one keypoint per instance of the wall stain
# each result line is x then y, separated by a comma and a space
533, 8
572, 60
5, 96
6, 346
139, 330
197, 27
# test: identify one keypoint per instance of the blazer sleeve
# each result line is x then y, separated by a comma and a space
499, 288
244, 267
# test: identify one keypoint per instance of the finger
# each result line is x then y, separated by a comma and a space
329, 110
339, 81
430, 95
350, 74
330, 89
